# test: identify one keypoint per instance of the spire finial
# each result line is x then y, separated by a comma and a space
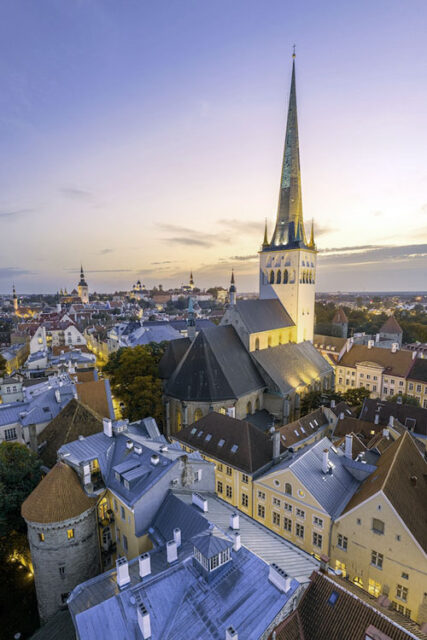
293, 52
232, 276
265, 241
312, 233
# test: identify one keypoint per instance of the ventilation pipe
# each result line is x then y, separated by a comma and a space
377, 418
237, 541
325, 461
349, 446
391, 421
144, 565
234, 521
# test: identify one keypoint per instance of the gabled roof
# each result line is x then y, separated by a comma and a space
330, 343
290, 365
210, 544
348, 424
263, 315
59, 496
303, 428
342, 407
397, 467
73, 420
419, 370
96, 394
397, 364
174, 513
331, 609
216, 367
412, 417
173, 355
339, 317
219, 433
391, 325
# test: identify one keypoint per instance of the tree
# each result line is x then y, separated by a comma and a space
405, 399
2, 365
135, 380
314, 399
355, 397
20, 472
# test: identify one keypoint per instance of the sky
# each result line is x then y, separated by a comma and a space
144, 139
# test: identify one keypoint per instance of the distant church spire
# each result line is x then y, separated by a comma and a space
232, 290
265, 241
289, 228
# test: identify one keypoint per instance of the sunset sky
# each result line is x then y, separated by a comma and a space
144, 138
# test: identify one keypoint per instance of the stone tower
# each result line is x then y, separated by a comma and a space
82, 288
15, 300
63, 537
340, 322
288, 261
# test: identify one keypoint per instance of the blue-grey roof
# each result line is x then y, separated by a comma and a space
210, 543
332, 490
173, 514
181, 604
37, 410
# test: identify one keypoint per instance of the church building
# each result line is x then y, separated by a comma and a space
82, 288
261, 358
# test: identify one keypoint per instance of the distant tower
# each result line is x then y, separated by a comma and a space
340, 321
191, 284
15, 299
232, 291
82, 288
63, 537
191, 320
288, 262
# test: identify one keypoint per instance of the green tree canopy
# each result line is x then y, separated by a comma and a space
134, 376
20, 472
404, 398
355, 397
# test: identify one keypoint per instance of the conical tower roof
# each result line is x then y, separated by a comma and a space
59, 496
289, 229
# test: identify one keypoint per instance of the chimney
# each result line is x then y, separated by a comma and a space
414, 355
137, 448
370, 344
391, 421
234, 521
386, 433
177, 536
377, 418
276, 445
171, 551
377, 337
144, 622
87, 478
325, 461
199, 501
332, 404
58, 395
154, 459
342, 415
237, 542
349, 446
108, 427
279, 578
231, 634
144, 565
413, 480
394, 347
129, 444
122, 568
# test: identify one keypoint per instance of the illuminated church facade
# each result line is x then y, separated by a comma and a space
260, 361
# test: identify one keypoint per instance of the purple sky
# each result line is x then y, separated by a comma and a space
145, 138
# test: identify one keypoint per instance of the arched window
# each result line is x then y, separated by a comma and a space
269, 341
303, 277
309, 277
257, 404
271, 277
257, 344
288, 489
249, 408
279, 277
178, 420
285, 276
198, 414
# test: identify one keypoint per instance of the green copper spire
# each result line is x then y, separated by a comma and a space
289, 228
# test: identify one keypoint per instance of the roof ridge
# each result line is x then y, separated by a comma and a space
399, 445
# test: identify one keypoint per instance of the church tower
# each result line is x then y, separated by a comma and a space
82, 288
288, 261
15, 300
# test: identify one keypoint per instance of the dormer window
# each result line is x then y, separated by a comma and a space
234, 448
221, 442
211, 551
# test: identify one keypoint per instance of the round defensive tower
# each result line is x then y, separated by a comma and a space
62, 533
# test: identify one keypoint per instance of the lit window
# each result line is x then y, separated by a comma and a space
70, 534
41, 537
374, 587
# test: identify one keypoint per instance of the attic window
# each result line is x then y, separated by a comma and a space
200, 434
46, 409
311, 425
302, 429
221, 442
193, 431
296, 432
316, 423
234, 448
208, 437
333, 598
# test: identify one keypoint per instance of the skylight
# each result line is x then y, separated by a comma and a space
200, 434
221, 443
208, 437
234, 448
296, 432
284, 437
316, 423
302, 429
333, 598
193, 431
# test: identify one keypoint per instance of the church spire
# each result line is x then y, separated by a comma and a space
265, 241
289, 228
311, 244
232, 290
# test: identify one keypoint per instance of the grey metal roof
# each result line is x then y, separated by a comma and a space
263, 315
216, 367
174, 513
264, 543
211, 544
290, 365
331, 490
39, 409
